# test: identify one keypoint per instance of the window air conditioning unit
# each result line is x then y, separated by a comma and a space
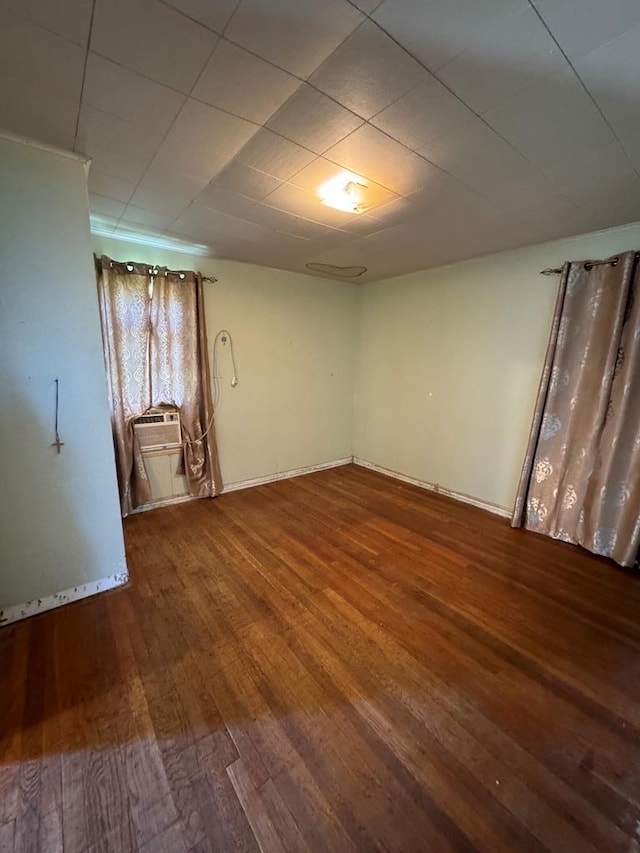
158, 431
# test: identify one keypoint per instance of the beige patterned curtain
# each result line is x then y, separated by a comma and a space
581, 477
155, 345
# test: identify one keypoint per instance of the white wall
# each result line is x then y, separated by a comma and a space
294, 340
59, 515
449, 363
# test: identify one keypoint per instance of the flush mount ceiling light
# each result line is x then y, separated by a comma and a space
344, 192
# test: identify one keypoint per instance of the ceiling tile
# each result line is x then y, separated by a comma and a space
582, 25
313, 120
476, 156
553, 119
110, 187
67, 18
219, 198
214, 14
31, 53
514, 54
200, 143
368, 71
40, 81
604, 165
270, 153
246, 181
118, 165
141, 216
296, 35
119, 92
424, 113
436, 31
278, 219
239, 82
611, 73
374, 155
618, 206
153, 39
106, 206
99, 130
160, 202
210, 223
28, 109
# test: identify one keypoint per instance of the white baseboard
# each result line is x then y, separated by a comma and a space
285, 475
496, 509
167, 502
49, 602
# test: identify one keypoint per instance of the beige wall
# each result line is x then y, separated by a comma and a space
59, 516
294, 340
449, 362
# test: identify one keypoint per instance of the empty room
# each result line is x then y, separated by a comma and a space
320, 426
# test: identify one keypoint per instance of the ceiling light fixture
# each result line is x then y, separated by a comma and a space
345, 192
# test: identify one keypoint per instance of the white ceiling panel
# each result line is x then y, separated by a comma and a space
200, 143
160, 202
517, 52
274, 216
477, 156
118, 165
582, 25
153, 39
30, 53
368, 72
604, 165
106, 206
113, 188
214, 14
210, 223
97, 129
372, 154
425, 113
436, 31
141, 216
313, 120
243, 84
270, 153
246, 181
296, 35
27, 109
219, 198
612, 75
600, 210
119, 92
67, 18
553, 119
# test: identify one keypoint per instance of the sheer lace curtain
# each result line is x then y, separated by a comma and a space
155, 346
581, 476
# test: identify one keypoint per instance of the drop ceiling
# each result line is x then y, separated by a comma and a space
479, 125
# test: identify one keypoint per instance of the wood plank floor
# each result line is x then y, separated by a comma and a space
336, 662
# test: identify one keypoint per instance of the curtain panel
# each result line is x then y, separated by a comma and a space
155, 347
581, 477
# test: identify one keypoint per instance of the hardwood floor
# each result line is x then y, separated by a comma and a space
335, 662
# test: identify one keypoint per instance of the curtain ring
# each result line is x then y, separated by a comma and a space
614, 262
130, 267
182, 275
588, 265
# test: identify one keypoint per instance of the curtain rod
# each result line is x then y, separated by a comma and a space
587, 265
153, 269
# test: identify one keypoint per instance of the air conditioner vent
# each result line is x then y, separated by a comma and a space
158, 431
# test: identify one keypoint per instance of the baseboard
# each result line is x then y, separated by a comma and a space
168, 502
285, 475
496, 509
49, 602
